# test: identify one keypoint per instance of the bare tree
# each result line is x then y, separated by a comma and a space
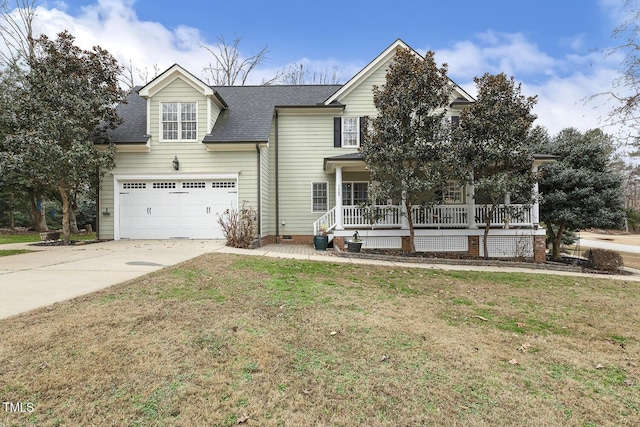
16, 30
228, 67
299, 75
625, 90
146, 74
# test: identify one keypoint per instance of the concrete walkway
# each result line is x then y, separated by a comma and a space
57, 273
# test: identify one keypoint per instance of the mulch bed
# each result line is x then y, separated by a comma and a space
566, 264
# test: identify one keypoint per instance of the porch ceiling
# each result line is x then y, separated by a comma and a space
351, 162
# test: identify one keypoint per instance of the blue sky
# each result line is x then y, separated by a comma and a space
550, 46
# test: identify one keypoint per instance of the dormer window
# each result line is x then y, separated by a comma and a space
179, 121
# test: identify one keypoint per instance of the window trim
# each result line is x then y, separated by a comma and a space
180, 122
313, 196
357, 131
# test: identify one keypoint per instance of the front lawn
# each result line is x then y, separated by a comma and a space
33, 237
223, 339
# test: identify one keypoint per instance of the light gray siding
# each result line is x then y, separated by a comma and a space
193, 156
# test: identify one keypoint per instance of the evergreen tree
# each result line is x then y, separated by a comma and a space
406, 141
492, 148
579, 190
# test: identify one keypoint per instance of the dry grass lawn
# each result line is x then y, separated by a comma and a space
224, 339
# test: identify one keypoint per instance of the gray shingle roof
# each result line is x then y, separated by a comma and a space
250, 112
134, 126
248, 118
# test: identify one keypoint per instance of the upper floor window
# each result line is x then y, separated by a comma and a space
350, 132
179, 121
347, 131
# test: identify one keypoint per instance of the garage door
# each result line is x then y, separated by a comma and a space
174, 209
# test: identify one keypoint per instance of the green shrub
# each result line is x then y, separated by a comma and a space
604, 259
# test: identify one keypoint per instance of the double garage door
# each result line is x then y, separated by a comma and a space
174, 209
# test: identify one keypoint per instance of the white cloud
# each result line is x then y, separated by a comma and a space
115, 26
492, 52
564, 85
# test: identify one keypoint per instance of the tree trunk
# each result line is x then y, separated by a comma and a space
66, 232
43, 216
556, 241
487, 222
73, 224
38, 213
412, 243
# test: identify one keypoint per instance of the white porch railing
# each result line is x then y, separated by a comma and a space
442, 216
326, 222
519, 215
378, 215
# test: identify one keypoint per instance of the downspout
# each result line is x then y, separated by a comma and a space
259, 194
277, 180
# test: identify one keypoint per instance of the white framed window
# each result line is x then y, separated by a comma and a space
319, 196
452, 193
179, 121
350, 131
354, 193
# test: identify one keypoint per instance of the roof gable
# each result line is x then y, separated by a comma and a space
380, 61
177, 72
363, 74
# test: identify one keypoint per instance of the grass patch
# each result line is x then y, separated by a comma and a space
222, 338
8, 252
35, 237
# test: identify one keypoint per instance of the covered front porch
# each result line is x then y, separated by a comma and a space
455, 225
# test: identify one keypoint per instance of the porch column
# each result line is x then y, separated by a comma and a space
535, 209
403, 211
507, 214
471, 206
339, 220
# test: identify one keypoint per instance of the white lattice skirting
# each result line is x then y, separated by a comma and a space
382, 242
508, 246
442, 244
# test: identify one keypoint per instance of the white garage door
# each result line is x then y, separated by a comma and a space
174, 209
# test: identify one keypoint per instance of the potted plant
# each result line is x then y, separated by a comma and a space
355, 244
321, 240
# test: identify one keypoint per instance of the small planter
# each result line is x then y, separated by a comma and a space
354, 246
320, 242
49, 235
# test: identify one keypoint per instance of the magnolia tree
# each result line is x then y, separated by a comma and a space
405, 143
62, 110
580, 189
491, 147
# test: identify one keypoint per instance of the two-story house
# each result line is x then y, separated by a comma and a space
187, 151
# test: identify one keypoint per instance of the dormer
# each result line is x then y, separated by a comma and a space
180, 107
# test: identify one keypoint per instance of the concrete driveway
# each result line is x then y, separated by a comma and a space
57, 273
